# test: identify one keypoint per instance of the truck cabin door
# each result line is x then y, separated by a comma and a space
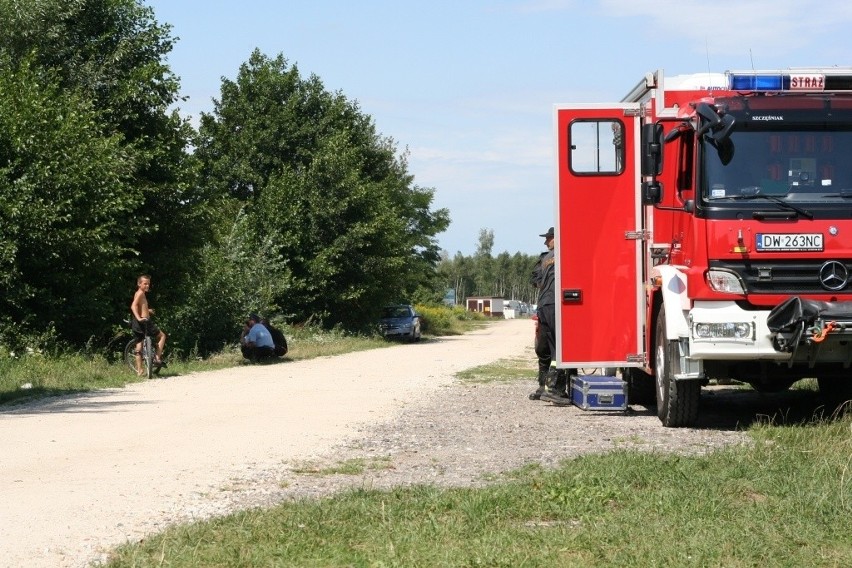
600, 297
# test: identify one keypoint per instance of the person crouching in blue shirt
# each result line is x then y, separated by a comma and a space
257, 342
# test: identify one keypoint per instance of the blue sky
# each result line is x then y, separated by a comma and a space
468, 86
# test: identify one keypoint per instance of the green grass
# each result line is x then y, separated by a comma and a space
34, 375
354, 466
504, 370
309, 343
785, 500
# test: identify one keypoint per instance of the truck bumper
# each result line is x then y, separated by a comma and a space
814, 343
756, 345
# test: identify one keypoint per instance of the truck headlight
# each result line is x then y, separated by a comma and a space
726, 281
727, 330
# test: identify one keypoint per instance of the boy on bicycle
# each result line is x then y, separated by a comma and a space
141, 323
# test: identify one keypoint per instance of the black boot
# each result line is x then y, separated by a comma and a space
554, 390
536, 395
562, 378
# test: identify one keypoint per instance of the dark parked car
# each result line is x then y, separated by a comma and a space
400, 321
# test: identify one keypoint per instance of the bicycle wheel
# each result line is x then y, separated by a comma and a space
148, 355
130, 354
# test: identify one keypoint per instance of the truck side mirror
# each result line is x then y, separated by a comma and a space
652, 150
651, 163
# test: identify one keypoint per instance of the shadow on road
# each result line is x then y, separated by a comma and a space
736, 408
79, 402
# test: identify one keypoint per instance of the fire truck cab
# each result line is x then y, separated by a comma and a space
704, 231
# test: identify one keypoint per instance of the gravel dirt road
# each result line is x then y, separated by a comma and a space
82, 474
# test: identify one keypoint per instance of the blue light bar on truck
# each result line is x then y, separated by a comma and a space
802, 81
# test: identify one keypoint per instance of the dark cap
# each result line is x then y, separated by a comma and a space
548, 234
254, 317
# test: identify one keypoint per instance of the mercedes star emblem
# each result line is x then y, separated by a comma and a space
833, 275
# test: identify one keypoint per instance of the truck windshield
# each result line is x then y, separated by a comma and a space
806, 167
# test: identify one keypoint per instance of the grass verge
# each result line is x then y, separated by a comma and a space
442, 320
783, 501
504, 370
32, 374
35, 376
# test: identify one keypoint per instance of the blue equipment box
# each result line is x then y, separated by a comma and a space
596, 392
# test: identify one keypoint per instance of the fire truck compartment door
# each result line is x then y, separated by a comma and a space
599, 293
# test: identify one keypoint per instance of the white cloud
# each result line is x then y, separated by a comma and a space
766, 27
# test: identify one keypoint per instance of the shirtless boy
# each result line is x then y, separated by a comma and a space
142, 321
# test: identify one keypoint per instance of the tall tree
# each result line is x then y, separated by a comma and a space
352, 228
484, 264
64, 201
503, 276
482, 275
457, 273
521, 272
90, 83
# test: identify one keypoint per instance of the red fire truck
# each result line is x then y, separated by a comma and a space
704, 231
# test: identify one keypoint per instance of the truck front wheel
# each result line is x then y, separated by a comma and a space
677, 401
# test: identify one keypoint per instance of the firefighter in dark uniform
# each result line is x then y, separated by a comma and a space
552, 382
542, 349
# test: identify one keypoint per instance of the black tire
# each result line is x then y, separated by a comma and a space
130, 354
836, 394
677, 401
641, 387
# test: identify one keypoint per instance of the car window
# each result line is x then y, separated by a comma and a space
397, 312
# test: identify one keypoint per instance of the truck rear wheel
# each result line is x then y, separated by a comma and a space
677, 401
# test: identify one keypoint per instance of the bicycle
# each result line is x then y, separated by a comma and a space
148, 351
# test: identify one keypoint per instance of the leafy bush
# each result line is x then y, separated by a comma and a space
16, 340
437, 319
239, 275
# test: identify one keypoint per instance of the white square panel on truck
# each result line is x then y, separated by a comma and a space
599, 284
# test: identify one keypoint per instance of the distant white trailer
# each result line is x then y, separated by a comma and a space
512, 309
489, 305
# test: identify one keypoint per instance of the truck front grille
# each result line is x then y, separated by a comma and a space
784, 277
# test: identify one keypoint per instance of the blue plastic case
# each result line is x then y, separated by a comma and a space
596, 392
